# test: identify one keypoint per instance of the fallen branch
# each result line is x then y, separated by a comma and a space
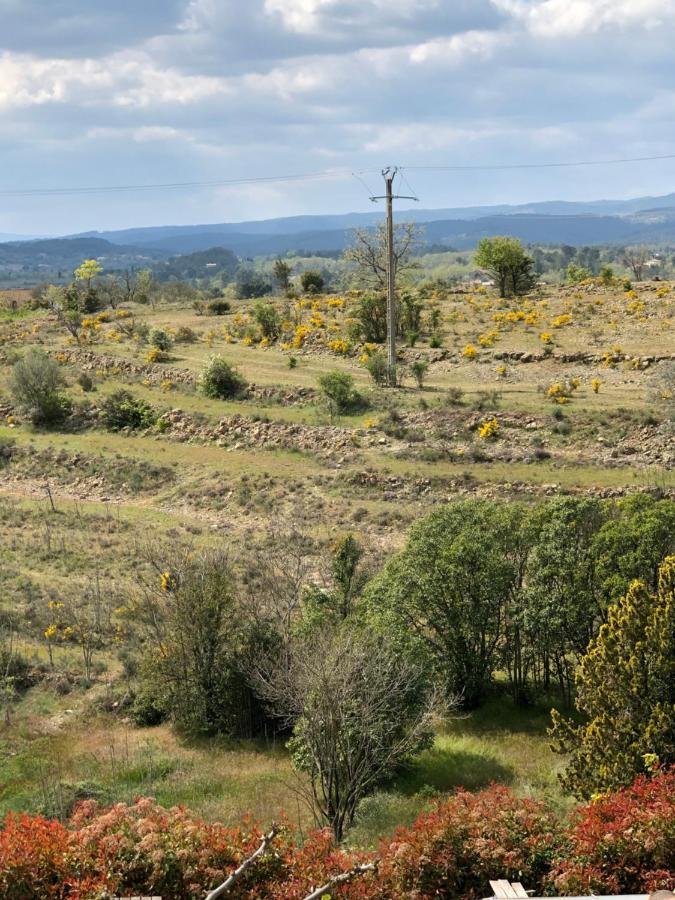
225, 887
341, 879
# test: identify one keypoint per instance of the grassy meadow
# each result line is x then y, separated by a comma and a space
82, 508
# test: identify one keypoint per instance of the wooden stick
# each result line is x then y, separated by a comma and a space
225, 887
341, 879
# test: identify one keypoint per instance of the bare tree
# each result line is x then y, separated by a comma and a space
277, 576
636, 259
368, 252
7, 658
358, 710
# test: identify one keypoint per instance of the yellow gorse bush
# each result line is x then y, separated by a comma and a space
489, 429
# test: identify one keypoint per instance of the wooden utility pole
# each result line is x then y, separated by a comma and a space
389, 174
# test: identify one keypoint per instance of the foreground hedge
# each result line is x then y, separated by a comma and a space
622, 842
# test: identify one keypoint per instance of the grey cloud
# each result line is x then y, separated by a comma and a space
217, 88
75, 28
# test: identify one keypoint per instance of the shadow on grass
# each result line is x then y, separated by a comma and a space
447, 768
501, 714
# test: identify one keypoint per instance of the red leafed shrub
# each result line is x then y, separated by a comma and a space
315, 863
454, 850
623, 842
146, 849
35, 860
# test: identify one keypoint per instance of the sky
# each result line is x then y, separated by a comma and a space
94, 93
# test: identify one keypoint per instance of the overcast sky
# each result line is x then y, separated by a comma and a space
107, 92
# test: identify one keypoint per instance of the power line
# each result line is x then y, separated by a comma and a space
177, 185
554, 165
304, 176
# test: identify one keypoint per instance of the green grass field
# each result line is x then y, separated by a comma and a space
228, 473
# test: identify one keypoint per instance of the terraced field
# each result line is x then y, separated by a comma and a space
567, 391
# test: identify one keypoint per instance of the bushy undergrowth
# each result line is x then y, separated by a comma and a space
123, 410
221, 381
624, 841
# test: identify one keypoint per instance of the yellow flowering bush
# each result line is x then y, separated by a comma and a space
489, 429
300, 334
562, 320
546, 337
339, 345
560, 392
596, 384
469, 352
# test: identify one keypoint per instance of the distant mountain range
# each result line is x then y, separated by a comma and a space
641, 220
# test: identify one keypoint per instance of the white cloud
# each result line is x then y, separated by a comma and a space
119, 80
571, 18
311, 16
458, 49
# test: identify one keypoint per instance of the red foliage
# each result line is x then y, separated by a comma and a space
36, 862
623, 842
454, 850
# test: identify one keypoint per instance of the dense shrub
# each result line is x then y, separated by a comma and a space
221, 381
454, 850
626, 692
161, 339
250, 283
312, 281
186, 335
122, 410
36, 385
268, 319
370, 313
34, 859
338, 389
622, 843
377, 368
218, 307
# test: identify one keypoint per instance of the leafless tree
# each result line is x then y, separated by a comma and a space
368, 252
358, 710
636, 259
276, 576
7, 657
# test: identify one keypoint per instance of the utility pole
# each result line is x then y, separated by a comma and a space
389, 174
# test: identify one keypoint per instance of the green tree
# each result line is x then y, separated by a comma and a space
312, 281
563, 605
282, 273
507, 262
370, 312
220, 380
267, 317
36, 385
631, 544
445, 595
626, 691
199, 670
249, 283
338, 389
348, 576
575, 273
86, 274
